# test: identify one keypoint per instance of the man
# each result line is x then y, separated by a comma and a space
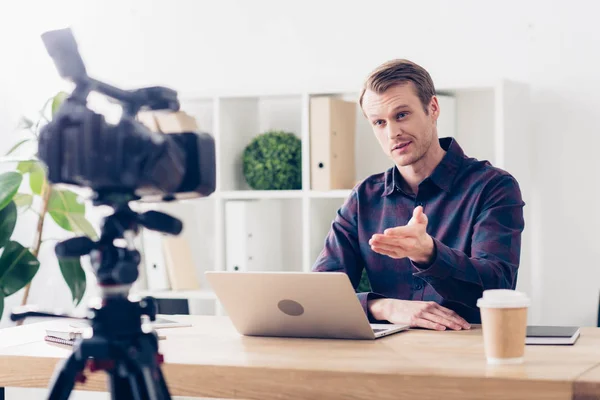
434, 231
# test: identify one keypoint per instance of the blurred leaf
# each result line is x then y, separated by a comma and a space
68, 213
16, 146
37, 179
9, 184
74, 277
23, 200
25, 123
42, 112
1, 304
8, 220
57, 102
26, 167
17, 268
37, 174
80, 224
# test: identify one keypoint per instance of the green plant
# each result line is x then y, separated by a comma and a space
19, 264
272, 161
364, 285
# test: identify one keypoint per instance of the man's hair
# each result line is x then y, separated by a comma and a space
397, 72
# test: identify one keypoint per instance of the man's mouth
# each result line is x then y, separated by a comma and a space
400, 147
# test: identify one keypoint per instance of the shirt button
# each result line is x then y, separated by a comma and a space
418, 286
420, 204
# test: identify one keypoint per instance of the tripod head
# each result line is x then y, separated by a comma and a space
118, 266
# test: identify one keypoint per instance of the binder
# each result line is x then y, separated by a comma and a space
179, 263
332, 143
154, 261
253, 235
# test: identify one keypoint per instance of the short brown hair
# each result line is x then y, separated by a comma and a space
396, 72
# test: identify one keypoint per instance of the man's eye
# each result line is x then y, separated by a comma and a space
379, 122
401, 115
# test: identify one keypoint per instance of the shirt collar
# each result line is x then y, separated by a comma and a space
442, 176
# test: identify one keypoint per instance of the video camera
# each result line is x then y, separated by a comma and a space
120, 163
80, 148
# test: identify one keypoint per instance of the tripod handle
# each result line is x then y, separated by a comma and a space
25, 312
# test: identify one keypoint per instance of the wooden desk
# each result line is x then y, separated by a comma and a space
211, 359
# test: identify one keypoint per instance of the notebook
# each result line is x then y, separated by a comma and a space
67, 334
554, 335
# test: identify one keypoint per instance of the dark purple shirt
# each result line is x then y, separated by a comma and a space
475, 217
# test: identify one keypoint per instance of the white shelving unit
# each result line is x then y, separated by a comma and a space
489, 122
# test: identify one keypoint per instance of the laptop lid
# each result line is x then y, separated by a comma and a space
291, 304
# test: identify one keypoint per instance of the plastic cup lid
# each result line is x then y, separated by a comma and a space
503, 298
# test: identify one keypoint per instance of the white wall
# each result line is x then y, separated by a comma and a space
277, 46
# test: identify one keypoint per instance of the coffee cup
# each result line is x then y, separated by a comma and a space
504, 324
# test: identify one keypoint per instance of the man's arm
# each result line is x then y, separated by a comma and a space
495, 249
341, 252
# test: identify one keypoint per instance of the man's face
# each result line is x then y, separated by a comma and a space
403, 129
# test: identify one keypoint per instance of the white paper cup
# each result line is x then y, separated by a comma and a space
504, 324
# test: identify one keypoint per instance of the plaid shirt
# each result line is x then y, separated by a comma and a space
475, 217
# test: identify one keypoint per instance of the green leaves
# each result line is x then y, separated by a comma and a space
37, 175
364, 285
17, 267
25, 123
16, 146
8, 220
74, 276
69, 214
9, 184
23, 201
272, 161
57, 102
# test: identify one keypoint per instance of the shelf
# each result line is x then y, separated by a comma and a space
282, 194
204, 294
331, 194
260, 194
489, 122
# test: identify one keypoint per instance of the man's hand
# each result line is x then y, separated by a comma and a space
410, 241
422, 314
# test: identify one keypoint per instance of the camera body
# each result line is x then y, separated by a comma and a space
80, 148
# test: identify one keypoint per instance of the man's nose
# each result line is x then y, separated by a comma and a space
393, 131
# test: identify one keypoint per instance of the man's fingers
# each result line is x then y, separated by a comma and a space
400, 231
419, 215
388, 240
390, 251
442, 319
443, 311
425, 323
385, 247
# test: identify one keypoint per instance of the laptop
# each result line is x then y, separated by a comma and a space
295, 304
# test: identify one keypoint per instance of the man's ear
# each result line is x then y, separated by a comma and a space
434, 107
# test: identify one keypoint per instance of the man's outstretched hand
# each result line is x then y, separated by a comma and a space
411, 240
417, 314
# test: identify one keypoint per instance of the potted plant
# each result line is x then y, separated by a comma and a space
273, 161
26, 190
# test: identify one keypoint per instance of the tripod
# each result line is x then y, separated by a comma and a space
121, 344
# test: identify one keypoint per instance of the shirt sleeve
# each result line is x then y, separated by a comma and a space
495, 249
341, 252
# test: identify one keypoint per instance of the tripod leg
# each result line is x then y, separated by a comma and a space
67, 372
164, 390
156, 386
127, 387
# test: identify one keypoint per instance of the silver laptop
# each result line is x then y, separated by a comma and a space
295, 304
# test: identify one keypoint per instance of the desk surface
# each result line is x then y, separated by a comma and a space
211, 359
